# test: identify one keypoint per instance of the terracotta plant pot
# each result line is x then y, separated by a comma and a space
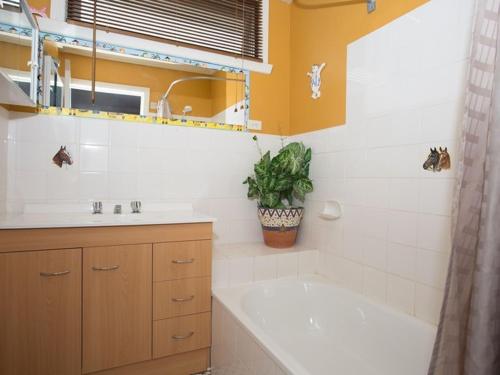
280, 225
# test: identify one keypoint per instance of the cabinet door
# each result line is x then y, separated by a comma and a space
117, 306
40, 313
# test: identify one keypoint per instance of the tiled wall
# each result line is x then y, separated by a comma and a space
121, 162
237, 264
405, 95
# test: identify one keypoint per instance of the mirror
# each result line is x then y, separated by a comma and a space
19, 47
141, 84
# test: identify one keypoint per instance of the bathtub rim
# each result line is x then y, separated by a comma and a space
230, 299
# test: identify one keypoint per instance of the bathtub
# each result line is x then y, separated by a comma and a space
309, 326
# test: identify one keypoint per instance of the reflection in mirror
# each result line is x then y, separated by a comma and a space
18, 46
135, 85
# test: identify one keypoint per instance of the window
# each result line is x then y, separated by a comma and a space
229, 26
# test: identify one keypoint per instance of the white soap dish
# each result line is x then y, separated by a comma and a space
331, 211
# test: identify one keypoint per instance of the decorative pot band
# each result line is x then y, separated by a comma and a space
280, 218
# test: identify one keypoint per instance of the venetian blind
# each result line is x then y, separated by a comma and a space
228, 26
11, 3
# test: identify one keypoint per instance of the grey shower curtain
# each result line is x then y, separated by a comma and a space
468, 339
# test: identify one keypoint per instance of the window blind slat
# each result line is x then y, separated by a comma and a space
229, 26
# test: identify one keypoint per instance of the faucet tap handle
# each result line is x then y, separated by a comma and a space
136, 206
97, 207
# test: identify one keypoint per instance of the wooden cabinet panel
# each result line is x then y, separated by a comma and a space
181, 297
178, 260
178, 335
117, 306
193, 362
40, 313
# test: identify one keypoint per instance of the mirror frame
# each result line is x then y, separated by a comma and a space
62, 40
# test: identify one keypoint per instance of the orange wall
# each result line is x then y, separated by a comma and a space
40, 5
14, 56
270, 94
299, 38
322, 35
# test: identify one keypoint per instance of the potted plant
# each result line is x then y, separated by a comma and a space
276, 183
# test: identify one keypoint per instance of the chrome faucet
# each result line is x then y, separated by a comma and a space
97, 207
163, 108
136, 207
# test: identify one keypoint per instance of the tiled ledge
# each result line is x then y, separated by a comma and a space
237, 264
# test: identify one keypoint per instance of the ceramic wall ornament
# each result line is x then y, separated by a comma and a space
438, 160
315, 80
62, 157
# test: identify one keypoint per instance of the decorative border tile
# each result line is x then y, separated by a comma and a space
55, 111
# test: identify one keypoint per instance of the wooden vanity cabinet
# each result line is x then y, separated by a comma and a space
40, 312
130, 300
117, 306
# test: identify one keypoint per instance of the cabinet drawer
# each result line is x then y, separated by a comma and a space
178, 260
178, 335
181, 297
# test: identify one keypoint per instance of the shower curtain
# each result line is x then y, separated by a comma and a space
468, 339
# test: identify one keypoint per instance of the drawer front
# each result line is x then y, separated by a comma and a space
178, 335
179, 260
181, 297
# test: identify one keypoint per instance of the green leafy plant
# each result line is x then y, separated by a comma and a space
278, 180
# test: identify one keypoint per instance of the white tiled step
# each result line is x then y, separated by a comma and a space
237, 264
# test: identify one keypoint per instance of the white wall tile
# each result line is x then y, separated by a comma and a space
403, 227
93, 186
436, 196
375, 253
151, 136
288, 265
93, 158
30, 186
122, 186
32, 156
401, 260
123, 134
375, 284
94, 132
240, 271
401, 293
308, 262
220, 273
434, 232
428, 303
404, 194
431, 268
123, 160
347, 273
63, 184
150, 160
265, 267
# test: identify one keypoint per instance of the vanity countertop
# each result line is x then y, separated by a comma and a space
34, 219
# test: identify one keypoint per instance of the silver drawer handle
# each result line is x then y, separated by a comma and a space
183, 261
190, 298
177, 337
110, 268
50, 274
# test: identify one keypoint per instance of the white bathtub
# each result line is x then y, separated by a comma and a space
311, 327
